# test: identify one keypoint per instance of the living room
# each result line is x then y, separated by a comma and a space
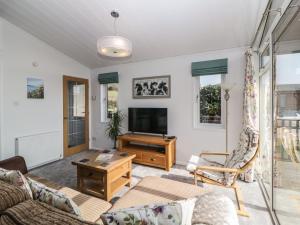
109, 105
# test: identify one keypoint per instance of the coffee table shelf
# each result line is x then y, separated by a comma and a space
104, 181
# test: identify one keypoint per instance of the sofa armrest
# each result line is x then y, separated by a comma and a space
14, 163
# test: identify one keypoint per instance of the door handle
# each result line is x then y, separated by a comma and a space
65, 118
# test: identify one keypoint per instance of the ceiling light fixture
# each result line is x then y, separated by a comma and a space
114, 46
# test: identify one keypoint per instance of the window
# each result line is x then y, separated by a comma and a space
109, 100
209, 99
265, 58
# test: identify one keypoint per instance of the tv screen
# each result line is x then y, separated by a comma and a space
148, 120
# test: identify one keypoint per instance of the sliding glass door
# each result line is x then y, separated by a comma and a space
265, 125
286, 121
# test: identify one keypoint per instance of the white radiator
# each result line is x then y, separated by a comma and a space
39, 149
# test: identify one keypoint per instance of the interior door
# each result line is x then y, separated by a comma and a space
76, 115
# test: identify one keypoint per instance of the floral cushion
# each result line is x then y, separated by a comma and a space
52, 197
243, 154
196, 161
216, 176
174, 213
15, 178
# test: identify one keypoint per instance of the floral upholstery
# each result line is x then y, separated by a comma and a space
206, 209
174, 213
53, 197
238, 158
243, 154
15, 178
196, 161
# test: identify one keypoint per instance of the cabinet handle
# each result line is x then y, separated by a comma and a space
152, 159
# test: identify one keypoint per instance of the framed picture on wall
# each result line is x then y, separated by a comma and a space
152, 87
35, 88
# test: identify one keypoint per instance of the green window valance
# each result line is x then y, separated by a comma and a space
108, 78
210, 67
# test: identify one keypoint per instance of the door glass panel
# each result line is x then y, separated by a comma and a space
76, 113
265, 108
286, 174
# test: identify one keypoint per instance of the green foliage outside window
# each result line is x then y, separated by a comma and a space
210, 104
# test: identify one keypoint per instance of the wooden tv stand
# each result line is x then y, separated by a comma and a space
149, 150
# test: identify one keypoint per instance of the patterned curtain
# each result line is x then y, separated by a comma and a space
249, 106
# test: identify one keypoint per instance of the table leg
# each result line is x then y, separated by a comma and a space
107, 188
79, 180
129, 174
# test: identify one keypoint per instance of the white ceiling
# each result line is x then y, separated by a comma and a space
157, 28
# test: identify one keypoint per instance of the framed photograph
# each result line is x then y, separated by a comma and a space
35, 88
152, 87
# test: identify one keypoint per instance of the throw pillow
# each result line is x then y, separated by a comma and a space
214, 209
53, 197
11, 195
174, 213
16, 178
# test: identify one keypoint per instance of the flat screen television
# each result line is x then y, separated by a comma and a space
148, 120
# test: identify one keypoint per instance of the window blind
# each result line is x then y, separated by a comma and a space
107, 78
210, 67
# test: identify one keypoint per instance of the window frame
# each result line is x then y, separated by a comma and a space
104, 102
196, 105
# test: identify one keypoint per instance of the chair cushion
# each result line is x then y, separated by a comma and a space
53, 197
196, 161
11, 195
216, 176
246, 150
15, 178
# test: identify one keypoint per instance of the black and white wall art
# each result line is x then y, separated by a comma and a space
152, 87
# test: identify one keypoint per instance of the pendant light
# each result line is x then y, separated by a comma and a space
114, 46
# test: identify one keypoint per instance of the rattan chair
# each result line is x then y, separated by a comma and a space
236, 163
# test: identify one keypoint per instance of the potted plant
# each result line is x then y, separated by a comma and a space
114, 126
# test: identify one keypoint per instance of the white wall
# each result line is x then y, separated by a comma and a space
22, 116
180, 105
1, 86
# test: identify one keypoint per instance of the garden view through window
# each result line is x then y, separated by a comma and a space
112, 98
210, 99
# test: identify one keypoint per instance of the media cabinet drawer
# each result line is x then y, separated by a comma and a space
138, 154
154, 158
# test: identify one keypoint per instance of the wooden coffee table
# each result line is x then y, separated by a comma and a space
100, 179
